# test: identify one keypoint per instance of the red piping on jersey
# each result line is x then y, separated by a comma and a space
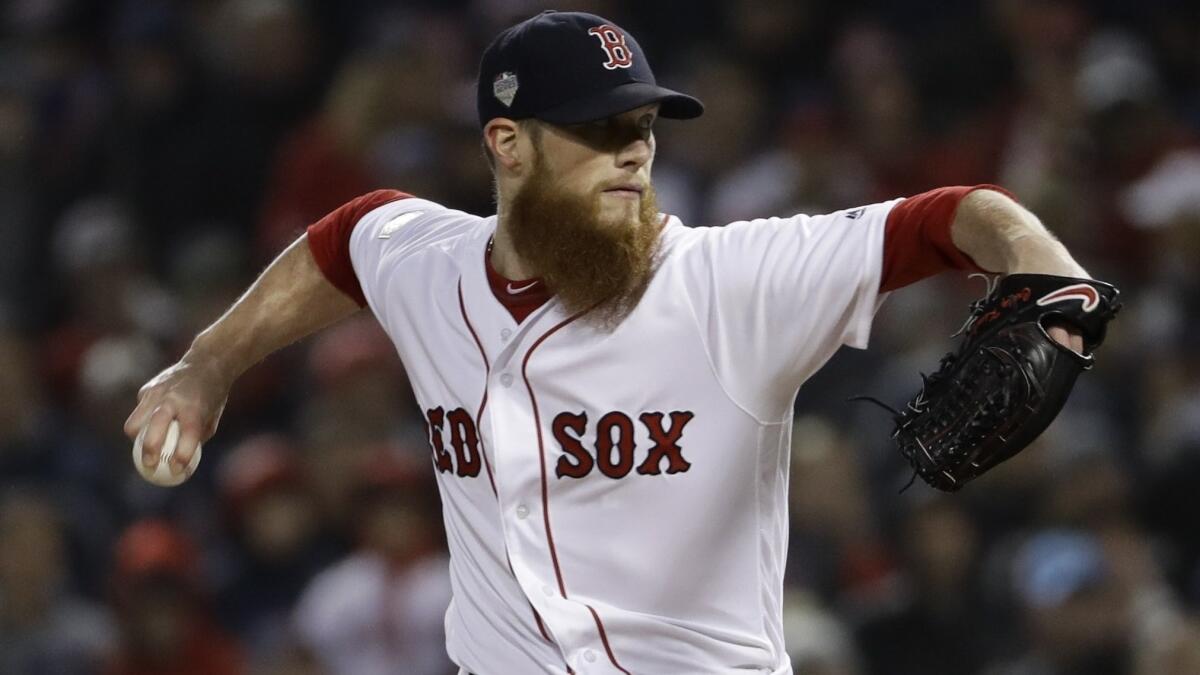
487, 369
537, 421
536, 617
604, 639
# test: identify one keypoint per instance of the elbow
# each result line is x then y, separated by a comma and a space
991, 205
991, 227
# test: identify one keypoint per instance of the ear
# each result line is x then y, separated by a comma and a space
501, 135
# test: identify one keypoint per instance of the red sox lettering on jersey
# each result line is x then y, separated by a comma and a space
614, 443
553, 439
463, 439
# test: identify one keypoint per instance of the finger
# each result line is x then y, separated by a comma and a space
140, 416
210, 429
148, 397
156, 434
189, 438
1060, 335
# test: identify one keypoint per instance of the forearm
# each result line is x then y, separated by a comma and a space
1002, 236
290, 300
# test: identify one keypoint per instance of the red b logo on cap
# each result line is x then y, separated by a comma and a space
613, 42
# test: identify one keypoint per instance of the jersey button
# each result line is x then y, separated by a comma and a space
522, 511
505, 334
548, 590
589, 656
506, 379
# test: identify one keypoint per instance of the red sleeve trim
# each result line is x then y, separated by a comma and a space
916, 240
329, 240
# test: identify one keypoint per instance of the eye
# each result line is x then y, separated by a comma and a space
646, 130
590, 129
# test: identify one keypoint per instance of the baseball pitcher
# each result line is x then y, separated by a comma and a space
608, 393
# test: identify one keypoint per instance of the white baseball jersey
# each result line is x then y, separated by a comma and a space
615, 501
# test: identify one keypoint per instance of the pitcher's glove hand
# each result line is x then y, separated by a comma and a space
1007, 380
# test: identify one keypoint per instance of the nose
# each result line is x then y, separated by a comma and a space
636, 153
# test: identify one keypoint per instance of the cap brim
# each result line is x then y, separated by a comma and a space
623, 98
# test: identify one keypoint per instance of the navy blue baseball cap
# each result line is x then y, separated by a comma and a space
570, 67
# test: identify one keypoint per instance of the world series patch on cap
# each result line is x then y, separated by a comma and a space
505, 88
571, 67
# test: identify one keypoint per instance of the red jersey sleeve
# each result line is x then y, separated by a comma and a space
329, 240
916, 240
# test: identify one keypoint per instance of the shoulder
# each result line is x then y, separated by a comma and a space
402, 228
417, 219
678, 238
770, 231
682, 243
773, 255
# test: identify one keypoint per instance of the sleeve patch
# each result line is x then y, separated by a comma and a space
329, 239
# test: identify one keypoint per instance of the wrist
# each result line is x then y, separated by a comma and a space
219, 361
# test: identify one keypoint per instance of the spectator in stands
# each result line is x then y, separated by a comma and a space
357, 400
276, 528
942, 621
23, 451
382, 609
45, 629
162, 608
1077, 620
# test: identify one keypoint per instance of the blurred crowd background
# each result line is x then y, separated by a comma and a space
154, 155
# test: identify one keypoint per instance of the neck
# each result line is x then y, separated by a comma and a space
505, 259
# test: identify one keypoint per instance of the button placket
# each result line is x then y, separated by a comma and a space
512, 444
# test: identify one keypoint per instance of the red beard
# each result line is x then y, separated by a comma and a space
587, 263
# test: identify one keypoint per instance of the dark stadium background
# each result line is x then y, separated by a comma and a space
155, 155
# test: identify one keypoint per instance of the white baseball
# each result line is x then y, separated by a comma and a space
161, 473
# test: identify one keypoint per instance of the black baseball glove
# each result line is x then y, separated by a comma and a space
1007, 380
